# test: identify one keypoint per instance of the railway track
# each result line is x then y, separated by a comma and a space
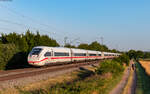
28, 72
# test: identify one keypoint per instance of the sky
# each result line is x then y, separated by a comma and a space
123, 24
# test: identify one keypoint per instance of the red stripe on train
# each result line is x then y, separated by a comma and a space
64, 58
38, 61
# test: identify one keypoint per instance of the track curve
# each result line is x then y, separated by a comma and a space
21, 73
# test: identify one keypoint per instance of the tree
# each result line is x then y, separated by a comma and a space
70, 46
23, 45
98, 47
135, 54
95, 46
139, 54
37, 39
46, 41
146, 55
30, 40
104, 48
114, 51
83, 46
131, 54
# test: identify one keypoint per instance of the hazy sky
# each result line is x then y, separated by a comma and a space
123, 24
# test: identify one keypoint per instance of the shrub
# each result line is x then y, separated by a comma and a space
123, 59
11, 57
6, 53
109, 66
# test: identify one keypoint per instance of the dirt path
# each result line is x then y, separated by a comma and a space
120, 87
132, 88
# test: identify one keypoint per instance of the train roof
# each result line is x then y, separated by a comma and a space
51, 47
91, 51
79, 50
73, 49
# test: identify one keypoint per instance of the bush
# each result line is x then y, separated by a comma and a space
15, 47
122, 59
7, 51
11, 57
109, 66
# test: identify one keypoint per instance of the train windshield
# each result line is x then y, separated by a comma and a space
36, 51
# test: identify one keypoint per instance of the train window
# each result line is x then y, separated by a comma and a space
105, 54
36, 51
47, 54
79, 54
92, 54
61, 54
99, 55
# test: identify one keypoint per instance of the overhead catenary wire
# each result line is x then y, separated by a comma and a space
28, 18
33, 20
22, 25
11, 30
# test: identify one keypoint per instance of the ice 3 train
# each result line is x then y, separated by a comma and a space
44, 55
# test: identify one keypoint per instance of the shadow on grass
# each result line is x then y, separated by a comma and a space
83, 73
93, 65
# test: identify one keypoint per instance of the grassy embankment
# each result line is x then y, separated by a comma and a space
100, 81
143, 79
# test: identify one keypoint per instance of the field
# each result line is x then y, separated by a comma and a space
146, 65
143, 79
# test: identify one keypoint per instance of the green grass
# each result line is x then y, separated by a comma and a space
143, 81
145, 59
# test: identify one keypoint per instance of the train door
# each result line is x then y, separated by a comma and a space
71, 55
48, 54
103, 57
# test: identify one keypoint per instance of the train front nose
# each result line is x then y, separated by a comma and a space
34, 60
35, 56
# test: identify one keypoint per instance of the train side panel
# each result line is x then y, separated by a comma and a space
79, 55
61, 55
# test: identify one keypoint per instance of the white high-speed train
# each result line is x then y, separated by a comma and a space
43, 55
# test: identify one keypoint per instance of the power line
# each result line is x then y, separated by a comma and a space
102, 39
25, 26
29, 18
22, 25
1, 28
77, 39
65, 40
32, 20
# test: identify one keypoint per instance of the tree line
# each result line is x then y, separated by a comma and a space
138, 54
25, 42
15, 47
92, 46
